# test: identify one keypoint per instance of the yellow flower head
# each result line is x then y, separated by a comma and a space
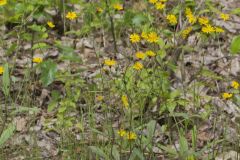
227, 95
150, 53
122, 133
144, 35
208, 29
125, 101
219, 30
224, 17
186, 32
134, 38
71, 15
50, 24
1, 70
188, 12
37, 60
160, 6
192, 19
99, 10
172, 19
152, 1
118, 6
235, 84
131, 136
99, 98
140, 55
138, 66
3, 2
110, 62
203, 20
152, 37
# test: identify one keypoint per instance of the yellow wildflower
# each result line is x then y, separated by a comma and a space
192, 19
186, 32
152, 37
99, 10
235, 84
1, 70
122, 133
99, 98
131, 136
37, 60
219, 30
140, 55
118, 6
227, 95
125, 101
134, 38
203, 20
172, 19
3, 2
71, 15
188, 12
110, 62
224, 17
208, 29
50, 24
152, 1
138, 66
150, 53
144, 35
160, 6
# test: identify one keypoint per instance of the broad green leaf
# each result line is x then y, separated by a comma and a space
235, 45
151, 129
40, 46
115, 153
49, 70
136, 154
98, 152
7, 133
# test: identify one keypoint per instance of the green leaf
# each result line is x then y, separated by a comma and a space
183, 146
115, 153
49, 70
98, 152
7, 133
235, 45
40, 46
136, 154
6, 80
151, 129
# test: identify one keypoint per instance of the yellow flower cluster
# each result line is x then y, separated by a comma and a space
1, 70
208, 29
128, 135
125, 101
37, 60
186, 32
140, 55
151, 37
99, 98
224, 16
71, 15
235, 84
118, 6
203, 21
227, 95
138, 66
172, 19
191, 18
110, 62
150, 53
160, 6
50, 24
3, 2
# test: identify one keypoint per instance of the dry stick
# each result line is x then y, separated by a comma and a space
112, 28
63, 16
